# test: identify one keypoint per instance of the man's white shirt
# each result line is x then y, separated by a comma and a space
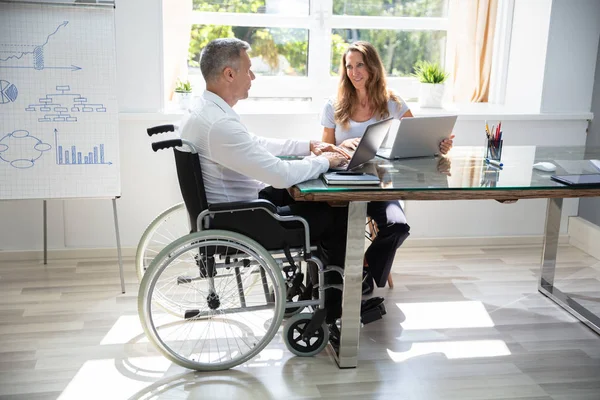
237, 164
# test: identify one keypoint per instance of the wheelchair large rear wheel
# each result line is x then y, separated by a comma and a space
170, 225
220, 282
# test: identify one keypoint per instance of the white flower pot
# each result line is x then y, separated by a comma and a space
183, 99
431, 94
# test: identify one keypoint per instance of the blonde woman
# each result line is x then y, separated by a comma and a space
362, 99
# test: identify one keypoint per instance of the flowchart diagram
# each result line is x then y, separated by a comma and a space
56, 109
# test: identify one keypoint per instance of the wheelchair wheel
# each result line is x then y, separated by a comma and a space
219, 282
170, 225
292, 336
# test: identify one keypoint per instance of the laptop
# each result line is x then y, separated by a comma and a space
418, 137
367, 146
354, 172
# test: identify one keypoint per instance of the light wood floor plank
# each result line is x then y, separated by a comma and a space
462, 323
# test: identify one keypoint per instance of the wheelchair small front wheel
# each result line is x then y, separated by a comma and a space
293, 336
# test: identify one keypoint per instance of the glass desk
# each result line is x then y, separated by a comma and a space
463, 175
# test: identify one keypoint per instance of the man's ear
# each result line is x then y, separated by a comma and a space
228, 74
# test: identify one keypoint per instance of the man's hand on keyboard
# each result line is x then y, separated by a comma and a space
318, 148
335, 159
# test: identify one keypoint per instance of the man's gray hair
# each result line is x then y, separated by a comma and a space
219, 54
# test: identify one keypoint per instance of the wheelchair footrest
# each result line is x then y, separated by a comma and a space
372, 310
184, 279
189, 314
373, 315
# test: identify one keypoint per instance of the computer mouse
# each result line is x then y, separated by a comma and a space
545, 166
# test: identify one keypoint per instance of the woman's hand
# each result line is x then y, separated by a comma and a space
318, 148
446, 145
350, 143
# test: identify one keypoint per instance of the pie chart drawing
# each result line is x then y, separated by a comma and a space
8, 92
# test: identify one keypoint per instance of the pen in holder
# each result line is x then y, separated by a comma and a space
493, 150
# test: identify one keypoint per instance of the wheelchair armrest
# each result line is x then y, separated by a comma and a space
243, 205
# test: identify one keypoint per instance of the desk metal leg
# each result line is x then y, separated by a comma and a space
350, 322
546, 286
114, 202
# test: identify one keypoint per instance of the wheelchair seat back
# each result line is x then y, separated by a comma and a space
256, 224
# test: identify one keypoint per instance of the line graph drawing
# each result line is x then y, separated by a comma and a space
8, 92
20, 150
23, 56
68, 155
57, 112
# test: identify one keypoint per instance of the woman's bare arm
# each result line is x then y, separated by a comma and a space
328, 135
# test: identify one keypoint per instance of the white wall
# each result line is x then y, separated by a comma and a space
590, 208
571, 55
139, 61
529, 39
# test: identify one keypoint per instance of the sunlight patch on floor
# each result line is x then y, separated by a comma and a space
107, 379
454, 350
445, 315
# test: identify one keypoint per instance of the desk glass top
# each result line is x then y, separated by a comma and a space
465, 169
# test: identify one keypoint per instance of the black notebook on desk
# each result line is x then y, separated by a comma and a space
350, 178
578, 180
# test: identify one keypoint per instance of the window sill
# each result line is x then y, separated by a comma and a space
465, 111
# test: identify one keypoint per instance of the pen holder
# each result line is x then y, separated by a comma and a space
493, 150
489, 176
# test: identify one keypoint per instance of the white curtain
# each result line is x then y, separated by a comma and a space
470, 44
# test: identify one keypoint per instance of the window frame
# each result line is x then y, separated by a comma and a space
319, 84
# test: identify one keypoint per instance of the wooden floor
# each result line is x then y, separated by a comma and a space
462, 323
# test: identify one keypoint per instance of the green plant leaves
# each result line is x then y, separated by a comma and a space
428, 72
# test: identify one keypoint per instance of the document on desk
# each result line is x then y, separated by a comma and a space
579, 166
349, 179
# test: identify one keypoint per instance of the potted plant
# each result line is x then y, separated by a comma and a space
183, 93
432, 78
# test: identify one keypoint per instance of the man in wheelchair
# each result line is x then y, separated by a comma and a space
239, 166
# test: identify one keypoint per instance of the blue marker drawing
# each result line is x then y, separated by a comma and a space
8, 92
68, 155
57, 112
20, 150
16, 57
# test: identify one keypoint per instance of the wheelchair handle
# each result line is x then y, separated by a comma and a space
166, 144
161, 129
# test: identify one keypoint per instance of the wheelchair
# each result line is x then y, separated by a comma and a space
212, 298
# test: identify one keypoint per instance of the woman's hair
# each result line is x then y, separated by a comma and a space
377, 92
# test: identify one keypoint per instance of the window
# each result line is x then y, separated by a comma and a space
297, 44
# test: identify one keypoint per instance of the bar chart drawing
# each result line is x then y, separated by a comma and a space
57, 111
70, 155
